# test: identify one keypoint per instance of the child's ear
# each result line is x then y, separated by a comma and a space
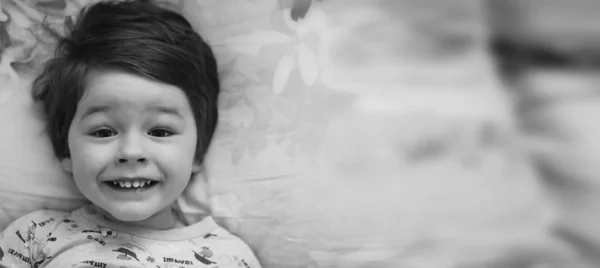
196, 167
67, 164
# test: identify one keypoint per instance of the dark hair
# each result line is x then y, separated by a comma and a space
137, 37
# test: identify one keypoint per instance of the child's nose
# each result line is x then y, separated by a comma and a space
125, 160
131, 151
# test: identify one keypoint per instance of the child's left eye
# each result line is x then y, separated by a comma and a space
160, 133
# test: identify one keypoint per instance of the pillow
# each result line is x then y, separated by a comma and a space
30, 175
367, 134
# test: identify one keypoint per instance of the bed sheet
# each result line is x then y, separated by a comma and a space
353, 134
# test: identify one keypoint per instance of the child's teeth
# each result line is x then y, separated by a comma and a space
134, 184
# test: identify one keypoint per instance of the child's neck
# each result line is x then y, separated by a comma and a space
162, 220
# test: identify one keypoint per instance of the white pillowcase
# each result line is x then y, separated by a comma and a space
358, 137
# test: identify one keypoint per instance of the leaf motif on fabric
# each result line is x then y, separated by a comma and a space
282, 73
287, 18
302, 30
252, 43
300, 8
309, 66
317, 21
26, 15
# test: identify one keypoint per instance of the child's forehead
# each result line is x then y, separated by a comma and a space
114, 90
116, 86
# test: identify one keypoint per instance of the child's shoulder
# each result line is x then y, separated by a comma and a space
44, 214
228, 243
40, 219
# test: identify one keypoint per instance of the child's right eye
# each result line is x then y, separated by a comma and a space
103, 133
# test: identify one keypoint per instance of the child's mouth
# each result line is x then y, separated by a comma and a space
131, 185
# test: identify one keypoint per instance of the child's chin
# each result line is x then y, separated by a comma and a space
145, 216
129, 217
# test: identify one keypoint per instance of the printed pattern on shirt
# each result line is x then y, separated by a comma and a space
204, 256
35, 240
35, 245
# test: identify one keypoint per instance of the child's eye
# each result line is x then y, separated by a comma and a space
103, 133
159, 132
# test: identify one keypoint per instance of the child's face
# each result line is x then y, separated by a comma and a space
129, 131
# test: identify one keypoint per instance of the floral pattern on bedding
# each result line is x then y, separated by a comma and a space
27, 31
287, 83
297, 77
30, 28
357, 137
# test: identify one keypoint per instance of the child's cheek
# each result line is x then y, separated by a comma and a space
93, 155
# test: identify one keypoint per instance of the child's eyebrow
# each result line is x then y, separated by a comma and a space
153, 108
95, 109
166, 110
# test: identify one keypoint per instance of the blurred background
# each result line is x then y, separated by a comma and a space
355, 133
548, 57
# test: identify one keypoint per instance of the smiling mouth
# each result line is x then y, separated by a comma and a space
131, 184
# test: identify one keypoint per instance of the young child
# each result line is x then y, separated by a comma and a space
131, 106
